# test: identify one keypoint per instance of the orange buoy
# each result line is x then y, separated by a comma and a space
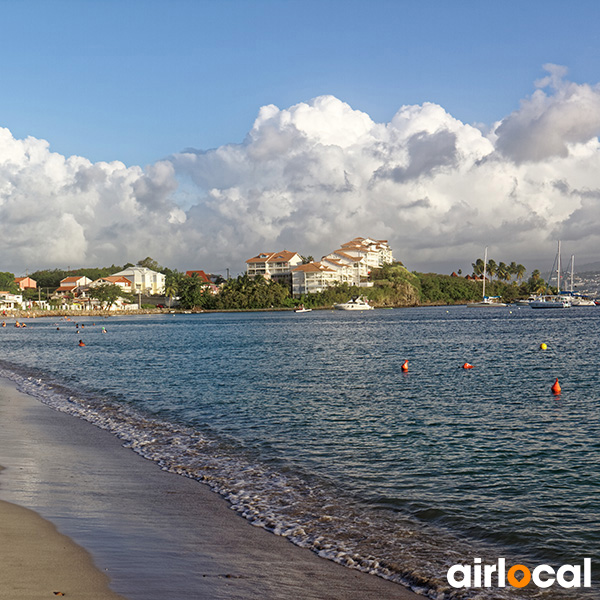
404, 366
468, 366
556, 387
81, 343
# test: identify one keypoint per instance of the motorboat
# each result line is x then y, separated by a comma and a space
302, 309
358, 303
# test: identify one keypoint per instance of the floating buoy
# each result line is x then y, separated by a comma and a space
404, 366
81, 343
543, 346
556, 387
468, 366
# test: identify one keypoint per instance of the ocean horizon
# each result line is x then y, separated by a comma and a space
307, 425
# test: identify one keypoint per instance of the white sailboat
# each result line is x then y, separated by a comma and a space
553, 300
578, 299
491, 301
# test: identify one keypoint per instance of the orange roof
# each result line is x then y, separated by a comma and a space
263, 257
201, 274
313, 267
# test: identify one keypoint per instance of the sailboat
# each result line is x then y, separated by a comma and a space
553, 300
578, 299
486, 300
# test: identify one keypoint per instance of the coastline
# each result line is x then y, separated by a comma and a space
38, 561
157, 534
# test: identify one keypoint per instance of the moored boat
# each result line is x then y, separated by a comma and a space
550, 301
358, 303
302, 309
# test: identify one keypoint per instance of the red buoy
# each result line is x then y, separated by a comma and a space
404, 366
556, 388
468, 366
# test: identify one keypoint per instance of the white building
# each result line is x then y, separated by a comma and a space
352, 263
143, 280
313, 277
120, 281
273, 264
10, 300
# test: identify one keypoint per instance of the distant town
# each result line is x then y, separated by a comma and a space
273, 279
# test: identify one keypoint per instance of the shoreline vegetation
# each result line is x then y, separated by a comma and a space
391, 286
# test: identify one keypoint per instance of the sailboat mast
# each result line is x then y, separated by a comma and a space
484, 267
572, 269
558, 270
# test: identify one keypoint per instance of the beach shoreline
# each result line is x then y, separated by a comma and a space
156, 534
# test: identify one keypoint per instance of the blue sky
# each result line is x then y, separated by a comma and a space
136, 80
245, 126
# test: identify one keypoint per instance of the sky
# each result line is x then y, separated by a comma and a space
204, 132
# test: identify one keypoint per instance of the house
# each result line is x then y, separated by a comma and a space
72, 285
273, 265
10, 300
122, 282
200, 274
26, 283
204, 278
144, 280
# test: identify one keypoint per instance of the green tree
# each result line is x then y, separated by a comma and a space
106, 293
520, 272
492, 268
192, 292
478, 267
7, 282
503, 273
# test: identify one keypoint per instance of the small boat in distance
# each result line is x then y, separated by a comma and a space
302, 309
358, 303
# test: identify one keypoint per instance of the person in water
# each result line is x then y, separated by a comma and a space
81, 343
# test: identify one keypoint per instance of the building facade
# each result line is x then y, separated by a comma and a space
144, 280
273, 265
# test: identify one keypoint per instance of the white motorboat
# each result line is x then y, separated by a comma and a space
358, 303
302, 309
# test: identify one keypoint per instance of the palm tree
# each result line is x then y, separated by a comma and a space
512, 269
492, 268
520, 272
170, 292
478, 267
503, 272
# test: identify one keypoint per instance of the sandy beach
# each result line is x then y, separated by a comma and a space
149, 533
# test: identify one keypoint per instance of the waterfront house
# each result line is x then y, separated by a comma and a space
75, 285
204, 278
119, 281
144, 280
9, 300
273, 265
26, 283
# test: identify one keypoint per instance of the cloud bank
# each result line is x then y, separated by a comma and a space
317, 174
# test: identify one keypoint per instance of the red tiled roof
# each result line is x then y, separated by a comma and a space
201, 275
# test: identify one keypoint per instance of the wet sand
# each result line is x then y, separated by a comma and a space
155, 534
39, 562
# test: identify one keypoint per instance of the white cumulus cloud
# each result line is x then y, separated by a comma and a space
314, 175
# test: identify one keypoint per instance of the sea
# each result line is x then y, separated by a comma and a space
308, 426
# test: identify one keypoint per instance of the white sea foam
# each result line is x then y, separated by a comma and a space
310, 514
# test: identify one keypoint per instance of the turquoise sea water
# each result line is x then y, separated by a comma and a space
306, 423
